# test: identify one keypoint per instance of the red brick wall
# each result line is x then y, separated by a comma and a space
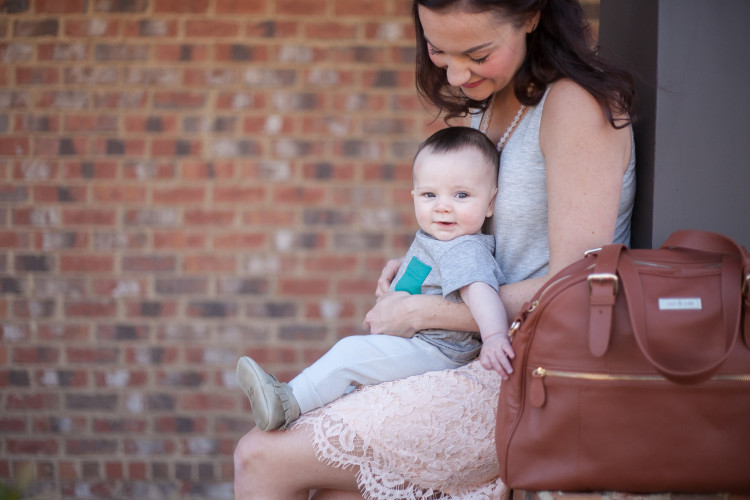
183, 182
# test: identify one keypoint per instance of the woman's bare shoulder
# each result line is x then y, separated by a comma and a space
573, 117
570, 103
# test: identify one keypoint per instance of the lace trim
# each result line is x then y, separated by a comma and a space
422, 444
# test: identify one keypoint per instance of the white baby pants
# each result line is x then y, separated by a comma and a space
364, 360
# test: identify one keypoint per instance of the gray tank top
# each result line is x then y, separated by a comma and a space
520, 220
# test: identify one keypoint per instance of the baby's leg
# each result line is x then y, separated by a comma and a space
364, 360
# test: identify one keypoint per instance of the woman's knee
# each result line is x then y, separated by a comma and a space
263, 460
249, 452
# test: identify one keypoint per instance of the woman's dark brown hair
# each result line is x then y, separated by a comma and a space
560, 47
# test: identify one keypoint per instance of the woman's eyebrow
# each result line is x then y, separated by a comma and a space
468, 51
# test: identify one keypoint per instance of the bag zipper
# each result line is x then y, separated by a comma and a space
538, 392
535, 303
551, 285
606, 377
600, 377
652, 264
548, 287
516, 325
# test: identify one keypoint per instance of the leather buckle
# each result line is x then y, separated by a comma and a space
600, 277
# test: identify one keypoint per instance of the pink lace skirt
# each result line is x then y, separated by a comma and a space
426, 437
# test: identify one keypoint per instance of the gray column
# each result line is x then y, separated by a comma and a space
691, 60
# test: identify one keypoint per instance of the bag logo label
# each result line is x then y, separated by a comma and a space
680, 304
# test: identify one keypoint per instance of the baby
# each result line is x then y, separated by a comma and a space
455, 184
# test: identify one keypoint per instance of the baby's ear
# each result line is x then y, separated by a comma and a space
491, 207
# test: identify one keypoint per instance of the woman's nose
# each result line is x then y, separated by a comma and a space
457, 73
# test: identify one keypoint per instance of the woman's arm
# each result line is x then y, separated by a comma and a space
401, 314
586, 159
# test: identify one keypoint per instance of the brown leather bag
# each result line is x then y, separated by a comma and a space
632, 373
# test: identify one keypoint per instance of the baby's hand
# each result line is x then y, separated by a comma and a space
497, 353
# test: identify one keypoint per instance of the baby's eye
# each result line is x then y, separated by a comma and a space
462, 195
428, 195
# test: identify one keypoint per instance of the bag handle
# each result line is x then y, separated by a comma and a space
717, 243
731, 268
704, 241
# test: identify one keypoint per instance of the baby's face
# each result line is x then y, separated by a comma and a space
453, 192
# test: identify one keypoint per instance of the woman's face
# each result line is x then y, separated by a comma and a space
480, 52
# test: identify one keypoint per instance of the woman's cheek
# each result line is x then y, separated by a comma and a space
436, 60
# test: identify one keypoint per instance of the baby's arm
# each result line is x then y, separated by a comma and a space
489, 313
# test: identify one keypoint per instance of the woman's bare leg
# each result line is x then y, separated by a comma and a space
282, 466
335, 495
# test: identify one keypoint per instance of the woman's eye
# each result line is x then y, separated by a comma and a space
481, 60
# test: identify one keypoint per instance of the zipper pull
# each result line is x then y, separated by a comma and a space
513, 329
525, 310
537, 392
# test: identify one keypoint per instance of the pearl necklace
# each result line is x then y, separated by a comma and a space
508, 131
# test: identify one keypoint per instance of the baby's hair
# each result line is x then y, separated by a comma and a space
453, 139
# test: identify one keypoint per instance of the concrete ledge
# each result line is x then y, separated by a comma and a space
559, 495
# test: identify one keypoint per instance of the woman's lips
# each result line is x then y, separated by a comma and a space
473, 85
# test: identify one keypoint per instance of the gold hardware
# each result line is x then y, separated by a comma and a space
746, 285
589, 253
513, 329
604, 277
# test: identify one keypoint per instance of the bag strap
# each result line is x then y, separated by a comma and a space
603, 288
704, 241
718, 243
731, 268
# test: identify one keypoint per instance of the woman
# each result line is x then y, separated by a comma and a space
566, 184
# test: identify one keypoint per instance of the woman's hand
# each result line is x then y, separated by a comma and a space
391, 315
386, 276
403, 315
